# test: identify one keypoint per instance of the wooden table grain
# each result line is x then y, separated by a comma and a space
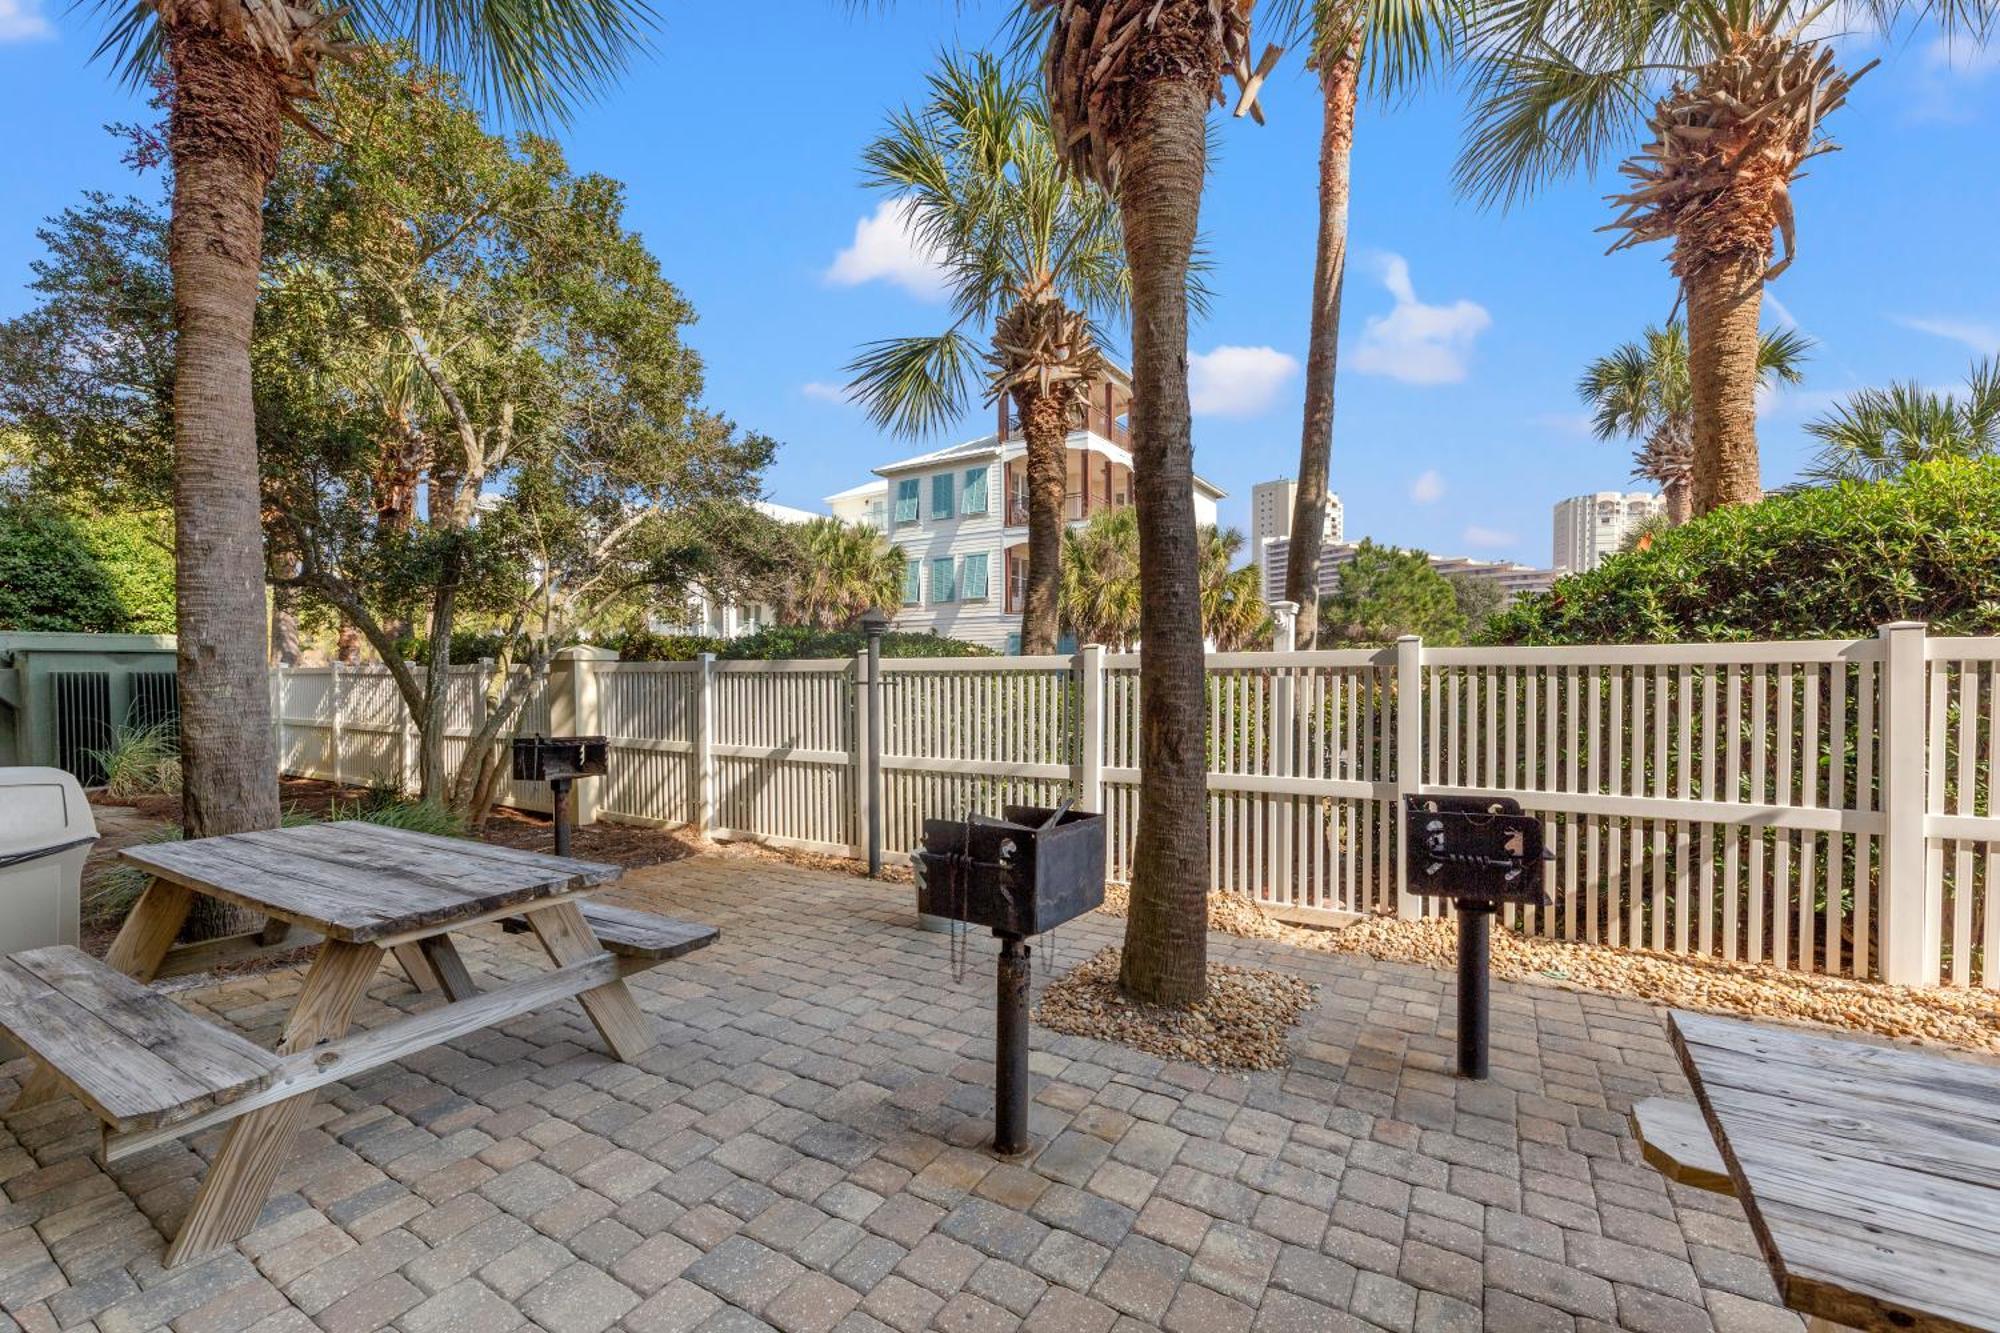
372, 893
1870, 1173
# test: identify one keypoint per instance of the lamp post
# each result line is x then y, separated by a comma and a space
874, 624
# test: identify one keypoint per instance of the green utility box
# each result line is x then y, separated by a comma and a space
63, 696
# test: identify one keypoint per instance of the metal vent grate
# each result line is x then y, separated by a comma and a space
83, 722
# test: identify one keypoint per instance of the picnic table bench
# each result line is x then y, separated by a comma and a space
1869, 1173
152, 1071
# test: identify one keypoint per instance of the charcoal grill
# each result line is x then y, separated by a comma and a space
1477, 852
1022, 874
559, 761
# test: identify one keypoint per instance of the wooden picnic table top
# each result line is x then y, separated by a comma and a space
1871, 1174
363, 882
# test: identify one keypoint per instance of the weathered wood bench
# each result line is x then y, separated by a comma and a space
135, 1058
1677, 1143
636, 939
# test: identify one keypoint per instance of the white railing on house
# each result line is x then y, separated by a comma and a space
1826, 806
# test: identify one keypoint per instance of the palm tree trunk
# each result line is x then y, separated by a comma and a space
1679, 501
1336, 147
1166, 932
223, 138
1045, 425
1724, 299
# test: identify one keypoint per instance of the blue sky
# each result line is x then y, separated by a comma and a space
1465, 329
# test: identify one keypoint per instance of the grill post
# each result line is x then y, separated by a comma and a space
559, 796
1475, 921
874, 624
1010, 1064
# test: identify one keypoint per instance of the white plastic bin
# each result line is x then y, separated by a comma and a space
46, 831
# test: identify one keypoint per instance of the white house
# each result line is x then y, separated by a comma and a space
961, 516
717, 617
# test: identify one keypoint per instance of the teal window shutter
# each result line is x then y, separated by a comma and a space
913, 575
907, 491
941, 495
972, 500
972, 578
941, 581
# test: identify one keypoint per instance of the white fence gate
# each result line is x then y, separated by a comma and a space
1826, 806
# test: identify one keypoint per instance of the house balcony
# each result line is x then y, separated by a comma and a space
1096, 485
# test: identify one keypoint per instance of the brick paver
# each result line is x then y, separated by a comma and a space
803, 1151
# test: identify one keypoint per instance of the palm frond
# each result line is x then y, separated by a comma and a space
916, 385
538, 60
1538, 115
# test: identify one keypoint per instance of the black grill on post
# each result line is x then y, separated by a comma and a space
1478, 852
1022, 874
559, 761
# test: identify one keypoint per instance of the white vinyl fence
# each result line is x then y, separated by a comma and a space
1826, 806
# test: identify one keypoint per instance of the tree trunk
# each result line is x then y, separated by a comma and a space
285, 649
1724, 298
223, 138
1166, 932
1679, 501
1308, 535
347, 644
1045, 426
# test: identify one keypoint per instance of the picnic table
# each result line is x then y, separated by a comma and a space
1870, 1173
152, 1071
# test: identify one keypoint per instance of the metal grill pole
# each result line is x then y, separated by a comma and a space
559, 794
1010, 1073
1474, 938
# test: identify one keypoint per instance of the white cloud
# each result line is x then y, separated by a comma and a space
1428, 488
1781, 314
22, 21
1476, 536
1414, 342
887, 248
1972, 59
1237, 381
1980, 336
825, 392
1576, 425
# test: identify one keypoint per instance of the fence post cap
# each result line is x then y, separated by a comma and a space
1903, 625
587, 652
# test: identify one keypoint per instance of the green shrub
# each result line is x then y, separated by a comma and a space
105, 574
1828, 562
416, 816
141, 761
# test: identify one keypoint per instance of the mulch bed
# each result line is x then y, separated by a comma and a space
1244, 1023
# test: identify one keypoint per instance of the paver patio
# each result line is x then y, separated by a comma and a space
802, 1151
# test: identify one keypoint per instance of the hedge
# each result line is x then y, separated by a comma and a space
101, 574
1825, 562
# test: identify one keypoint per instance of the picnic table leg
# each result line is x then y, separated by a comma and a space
442, 956
415, 966
255, 1146
141, 943
568, 938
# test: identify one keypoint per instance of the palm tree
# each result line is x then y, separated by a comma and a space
1394, 44
1129, 83
1233, 611
1751, 87
1033, 253
235, 71
1100, 580
1642, 391
1877, 433
1101, 586
840, 571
